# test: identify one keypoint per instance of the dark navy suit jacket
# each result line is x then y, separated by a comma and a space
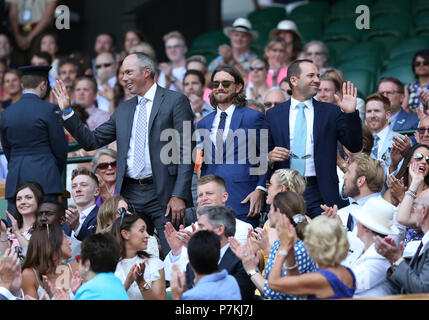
233, 265
34, 143
330, 125
88, 227
237, 174
405, 121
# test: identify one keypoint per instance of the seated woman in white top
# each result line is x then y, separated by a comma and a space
142, 274
47, 249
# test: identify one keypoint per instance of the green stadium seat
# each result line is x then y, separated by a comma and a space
344, 9
268, 16
209, 54
422, 24
264, 34
390, 24
310, 30
344, 29
401, 60
420, 7
409, 45
306, 12
369, 63
382, 7
363, 80
209, 40
403, 73
363, 49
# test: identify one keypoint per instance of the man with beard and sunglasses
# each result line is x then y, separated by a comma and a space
363, 179
230, 129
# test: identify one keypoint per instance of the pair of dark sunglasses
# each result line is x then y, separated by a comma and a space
422, 130
419, 156
419, 63
105, 65
105, 165
257, 68
225, 84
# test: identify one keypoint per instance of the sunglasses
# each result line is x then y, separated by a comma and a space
269, 104
105, 165
225, 84
256, 68
105, 65
422, 130
122, 211
419, 156
420, 63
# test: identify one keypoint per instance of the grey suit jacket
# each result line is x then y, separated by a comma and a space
170, 110
407, 280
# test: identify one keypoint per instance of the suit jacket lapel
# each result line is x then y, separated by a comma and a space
234, 124
285, 130
318, 114
132, 103
88, 218
157, 101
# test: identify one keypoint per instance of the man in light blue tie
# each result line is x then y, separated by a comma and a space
303, 134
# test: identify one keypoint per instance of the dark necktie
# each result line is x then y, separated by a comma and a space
220, 129
350, 222
416, 256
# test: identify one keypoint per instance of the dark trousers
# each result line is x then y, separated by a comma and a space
143, 201
313, 200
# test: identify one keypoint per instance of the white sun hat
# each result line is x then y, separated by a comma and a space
243, 25
377, 215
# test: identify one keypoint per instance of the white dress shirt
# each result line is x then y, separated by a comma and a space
147, 170
310, 169
216, 121
382, 135
102, 102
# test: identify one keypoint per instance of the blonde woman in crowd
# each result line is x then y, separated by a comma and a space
326, 242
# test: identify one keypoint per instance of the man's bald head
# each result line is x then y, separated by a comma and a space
273, 97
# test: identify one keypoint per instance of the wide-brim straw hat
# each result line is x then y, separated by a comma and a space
243, 25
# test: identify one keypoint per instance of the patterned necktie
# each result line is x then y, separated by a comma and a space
299, 141
416, 256
140, 137
220, 129
375, 147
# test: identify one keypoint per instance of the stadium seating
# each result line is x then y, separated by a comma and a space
403, 73
269, 16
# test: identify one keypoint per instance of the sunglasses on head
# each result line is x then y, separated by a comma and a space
419, 156
105, 165
419, 63
105, 65
122, 211
225, 84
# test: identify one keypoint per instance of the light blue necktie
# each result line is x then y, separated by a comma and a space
299, 141
375, 148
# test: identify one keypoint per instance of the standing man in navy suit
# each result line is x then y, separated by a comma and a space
33, 137
303, 134
228, 144
82, 221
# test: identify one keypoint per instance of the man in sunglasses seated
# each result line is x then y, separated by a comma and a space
273, 97
82, 221
105, 66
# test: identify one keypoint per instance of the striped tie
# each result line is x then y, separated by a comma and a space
140, 137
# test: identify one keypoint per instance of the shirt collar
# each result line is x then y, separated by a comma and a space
294, 103
30, 92
383, 133
223, 250
425, 239
150, 94
363, 200
229, 111
87, 211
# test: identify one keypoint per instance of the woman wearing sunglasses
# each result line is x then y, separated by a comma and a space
410, 181
418, 91
257, 87
141, 273
104, 166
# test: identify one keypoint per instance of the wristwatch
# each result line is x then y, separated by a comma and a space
252, 272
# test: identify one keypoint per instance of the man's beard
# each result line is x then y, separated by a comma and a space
353, 191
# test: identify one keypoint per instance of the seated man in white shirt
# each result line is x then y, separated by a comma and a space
82, 221
211, 191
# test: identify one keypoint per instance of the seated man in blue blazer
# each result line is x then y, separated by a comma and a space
303, 134
82, 221
393, 89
